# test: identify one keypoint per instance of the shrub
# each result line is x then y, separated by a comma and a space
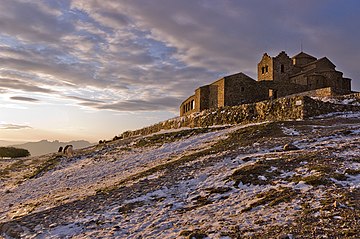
11, 152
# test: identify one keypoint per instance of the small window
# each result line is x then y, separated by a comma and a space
282, 68
263, 70
267, 68
242, 89
273, 94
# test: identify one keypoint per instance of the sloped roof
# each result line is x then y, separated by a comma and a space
240, 74
326, 60
322, 60
304, 55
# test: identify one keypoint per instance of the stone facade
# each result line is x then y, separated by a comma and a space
278, 76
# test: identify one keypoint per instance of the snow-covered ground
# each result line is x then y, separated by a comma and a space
195, 186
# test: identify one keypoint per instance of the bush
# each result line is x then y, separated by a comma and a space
11, 152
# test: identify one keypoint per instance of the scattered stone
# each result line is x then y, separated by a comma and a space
68, 150
116, 228
286, 236
289, 147
12, 230
52, 225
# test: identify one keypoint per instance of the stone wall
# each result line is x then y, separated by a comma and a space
283, 89
324, 92
280, 109
317, 107
241, 89
202, 98
216, 96
289, 108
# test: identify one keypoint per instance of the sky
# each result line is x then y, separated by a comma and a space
91, 69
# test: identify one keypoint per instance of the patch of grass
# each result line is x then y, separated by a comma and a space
16, 166
339, 176
322, 168
249, 135
284, 163
45, 166
159, 139
219, 190
352, 171
195, 234
250, 174
129, 208
313, 180
125, 149
273, 197
200, 201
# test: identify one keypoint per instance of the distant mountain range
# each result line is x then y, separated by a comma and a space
4, 143
44, 146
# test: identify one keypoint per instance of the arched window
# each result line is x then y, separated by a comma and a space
282, 68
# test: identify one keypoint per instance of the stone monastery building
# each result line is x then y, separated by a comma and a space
277, 77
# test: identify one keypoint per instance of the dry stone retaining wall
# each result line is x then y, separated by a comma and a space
289, 108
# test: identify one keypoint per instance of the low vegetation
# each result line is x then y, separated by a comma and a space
159, 139
11, 152
45, 166
272, 197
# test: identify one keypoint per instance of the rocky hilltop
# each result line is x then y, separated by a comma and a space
274, 179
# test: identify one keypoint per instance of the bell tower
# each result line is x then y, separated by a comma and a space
275, 69
265, 68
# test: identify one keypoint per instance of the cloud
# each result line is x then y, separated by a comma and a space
42, 23
27, 99
3, 91
159, 104
22, 85
85, 100
150, 55
13, 127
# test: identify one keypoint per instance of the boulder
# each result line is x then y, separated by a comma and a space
289, 147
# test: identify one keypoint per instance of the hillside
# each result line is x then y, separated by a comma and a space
45, 147
216, 182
